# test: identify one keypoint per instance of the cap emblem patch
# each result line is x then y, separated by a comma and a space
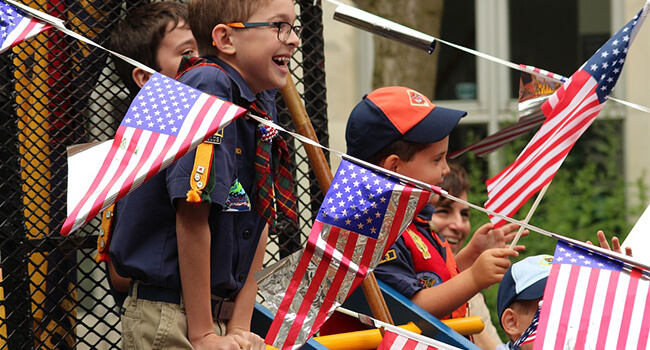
417, 99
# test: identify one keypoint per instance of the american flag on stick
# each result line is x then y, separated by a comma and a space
593, 301
16, 26
362, 215
569, 112
165, 121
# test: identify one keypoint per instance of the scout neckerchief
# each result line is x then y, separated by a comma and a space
277, 185
435, 257
529, 334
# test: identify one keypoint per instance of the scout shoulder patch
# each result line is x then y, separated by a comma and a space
422, 247
216, 138
390, 255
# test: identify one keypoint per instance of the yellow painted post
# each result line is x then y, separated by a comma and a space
33, 125
359, 340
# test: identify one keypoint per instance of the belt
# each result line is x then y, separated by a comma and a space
222, 308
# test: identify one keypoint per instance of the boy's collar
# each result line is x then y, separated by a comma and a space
244, 90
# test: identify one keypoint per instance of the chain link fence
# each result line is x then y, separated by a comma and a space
58, 92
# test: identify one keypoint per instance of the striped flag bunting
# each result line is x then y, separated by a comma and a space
593, 301
166, 120
569, 112
533, 90
362, 215
501, 138
16, 26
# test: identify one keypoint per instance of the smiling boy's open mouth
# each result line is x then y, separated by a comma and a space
281, 61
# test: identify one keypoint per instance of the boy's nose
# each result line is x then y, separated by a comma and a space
293, 40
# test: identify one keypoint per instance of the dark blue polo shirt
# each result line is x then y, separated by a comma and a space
398, 271
144, 245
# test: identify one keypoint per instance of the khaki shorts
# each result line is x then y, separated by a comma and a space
150, 325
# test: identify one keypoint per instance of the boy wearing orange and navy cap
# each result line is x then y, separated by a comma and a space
401, 130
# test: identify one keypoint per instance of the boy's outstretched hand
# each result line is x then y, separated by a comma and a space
616, 245
487, 237
491, 266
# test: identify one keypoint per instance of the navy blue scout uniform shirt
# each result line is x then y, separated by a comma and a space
398, 272
144, 244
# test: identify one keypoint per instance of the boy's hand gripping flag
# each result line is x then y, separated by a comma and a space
362, 215
16, 26
166, 120
569, 112
593, 301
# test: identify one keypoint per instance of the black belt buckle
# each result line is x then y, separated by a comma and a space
222, 309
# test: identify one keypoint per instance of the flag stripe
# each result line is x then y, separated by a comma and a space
568, 299
303, 263
607, 311
583, 328
645, 323
133, 173
640, 300
324, 267
597, 312
120, 171
557, 303
337, 281
628, 309
502, 137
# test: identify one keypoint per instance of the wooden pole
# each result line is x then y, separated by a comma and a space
324, 177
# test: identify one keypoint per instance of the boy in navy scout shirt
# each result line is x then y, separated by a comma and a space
207, 236
401, 130
157, 35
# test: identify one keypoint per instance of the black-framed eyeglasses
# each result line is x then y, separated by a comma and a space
284, 28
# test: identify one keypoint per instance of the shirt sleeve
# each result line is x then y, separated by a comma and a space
223, 171
397, 270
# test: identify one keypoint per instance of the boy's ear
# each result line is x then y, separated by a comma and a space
510, 322
140, 76
222, 40
390, 162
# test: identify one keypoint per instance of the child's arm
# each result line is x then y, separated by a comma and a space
488, 269
487, 237
239, 325
193, 236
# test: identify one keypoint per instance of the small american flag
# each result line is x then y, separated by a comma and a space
16, 26
592, 301
569, 112
362, 215
394, 341
165, 121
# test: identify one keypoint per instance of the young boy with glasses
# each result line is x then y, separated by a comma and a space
198, 290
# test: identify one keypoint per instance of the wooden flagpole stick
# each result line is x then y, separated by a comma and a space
530, 214
324, 177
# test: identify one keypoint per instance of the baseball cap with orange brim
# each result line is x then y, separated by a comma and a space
396, 113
